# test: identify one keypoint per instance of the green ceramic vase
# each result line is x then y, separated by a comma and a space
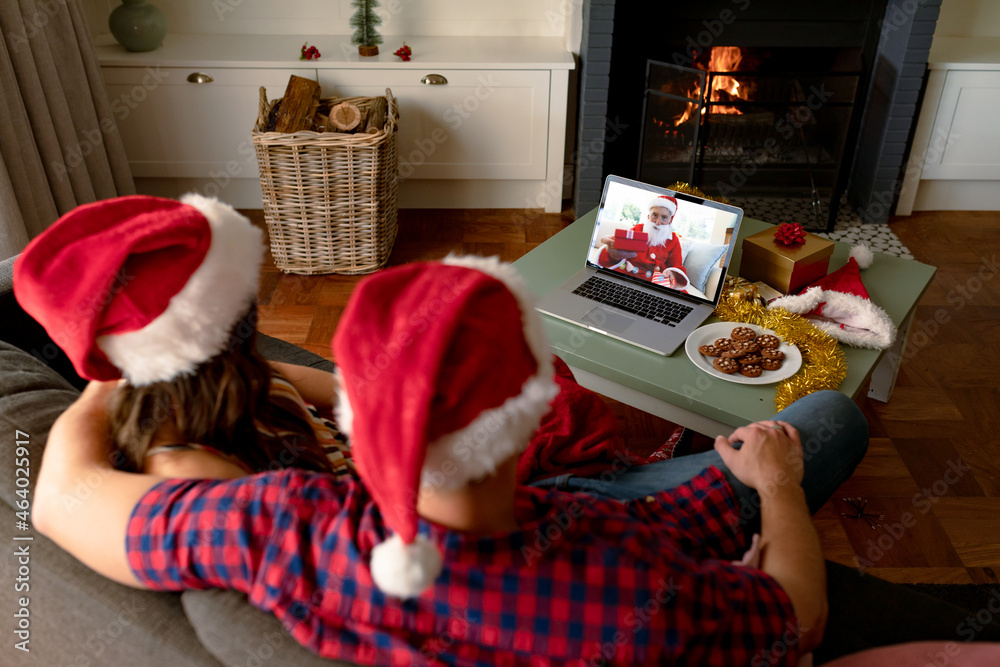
138, 25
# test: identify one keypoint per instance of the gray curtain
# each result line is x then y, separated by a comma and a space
59, 146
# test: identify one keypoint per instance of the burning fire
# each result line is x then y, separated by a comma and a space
724, 59
724, 88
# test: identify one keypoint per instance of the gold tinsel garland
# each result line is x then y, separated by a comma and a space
680, 186
823, 363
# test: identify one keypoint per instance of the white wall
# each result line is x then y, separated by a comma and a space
969, 18
519, 18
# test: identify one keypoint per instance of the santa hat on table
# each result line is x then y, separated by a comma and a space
443, 373
141, 287
664, 201
839, 304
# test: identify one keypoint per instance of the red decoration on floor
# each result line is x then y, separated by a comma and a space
403, 52
790, 234
310, 53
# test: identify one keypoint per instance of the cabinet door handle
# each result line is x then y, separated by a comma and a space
434, 80
199, 77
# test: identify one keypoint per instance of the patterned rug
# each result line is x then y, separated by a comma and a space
849, 227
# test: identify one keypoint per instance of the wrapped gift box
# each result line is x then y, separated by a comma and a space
785, 268
626, 239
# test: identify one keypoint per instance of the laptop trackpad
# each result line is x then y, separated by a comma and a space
608, 320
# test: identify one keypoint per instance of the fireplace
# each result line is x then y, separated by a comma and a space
748, 99
751, 120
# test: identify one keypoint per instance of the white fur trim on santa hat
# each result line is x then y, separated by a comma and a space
662, 203
405, 570
848, 318
474, 451
196, 325
863, 255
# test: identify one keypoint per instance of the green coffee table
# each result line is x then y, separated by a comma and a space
672, 387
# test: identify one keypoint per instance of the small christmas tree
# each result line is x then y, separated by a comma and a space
364, 22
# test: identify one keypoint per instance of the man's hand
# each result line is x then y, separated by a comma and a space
91, 407
615, 254
771, 455
770, 461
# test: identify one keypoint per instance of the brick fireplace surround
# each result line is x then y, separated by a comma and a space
878, 156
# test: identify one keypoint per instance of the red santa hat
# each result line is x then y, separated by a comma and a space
839, 304
443, 373
664, 201
141, 287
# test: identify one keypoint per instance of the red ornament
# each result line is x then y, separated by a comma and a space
310, 53
403, 52
790, 234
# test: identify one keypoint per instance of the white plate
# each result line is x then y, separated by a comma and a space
710, 333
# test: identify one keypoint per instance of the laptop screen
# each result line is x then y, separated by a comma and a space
672, 241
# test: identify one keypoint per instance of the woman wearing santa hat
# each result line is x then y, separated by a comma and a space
160, 294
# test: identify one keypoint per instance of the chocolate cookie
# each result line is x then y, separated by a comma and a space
768, 342
723, 344
752, 358
743, 333
751, 370
748, 346
710, 350
726, 365
770, 364
772, 354
734, 352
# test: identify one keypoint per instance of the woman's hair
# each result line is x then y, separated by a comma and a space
220, 405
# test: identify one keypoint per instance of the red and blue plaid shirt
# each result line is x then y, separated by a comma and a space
584, 582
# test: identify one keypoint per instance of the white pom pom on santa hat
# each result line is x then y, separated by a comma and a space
405, 570
862, 254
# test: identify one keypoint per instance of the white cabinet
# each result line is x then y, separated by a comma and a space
492, 136
955, 156
966, 124
190, 122
471, 124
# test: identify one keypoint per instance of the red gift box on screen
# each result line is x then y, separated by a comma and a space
627, 239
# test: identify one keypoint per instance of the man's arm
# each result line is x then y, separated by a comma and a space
770, 461
81, 502
315, 386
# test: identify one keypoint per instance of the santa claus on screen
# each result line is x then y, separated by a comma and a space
663, 251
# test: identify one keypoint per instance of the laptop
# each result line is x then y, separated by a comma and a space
653, 297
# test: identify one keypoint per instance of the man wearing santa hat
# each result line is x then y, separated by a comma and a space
437, 528
663, 251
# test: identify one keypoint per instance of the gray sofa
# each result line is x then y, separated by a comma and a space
76, 617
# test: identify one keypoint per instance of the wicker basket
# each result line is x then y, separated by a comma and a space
329, 197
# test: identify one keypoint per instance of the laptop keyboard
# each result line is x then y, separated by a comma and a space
633, 301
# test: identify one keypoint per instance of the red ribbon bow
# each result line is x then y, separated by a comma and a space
790, 233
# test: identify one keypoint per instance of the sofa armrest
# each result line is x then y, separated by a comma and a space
275, 349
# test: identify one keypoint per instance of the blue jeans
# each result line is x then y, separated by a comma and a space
834, 436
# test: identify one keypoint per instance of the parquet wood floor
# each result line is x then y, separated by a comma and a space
934, 460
